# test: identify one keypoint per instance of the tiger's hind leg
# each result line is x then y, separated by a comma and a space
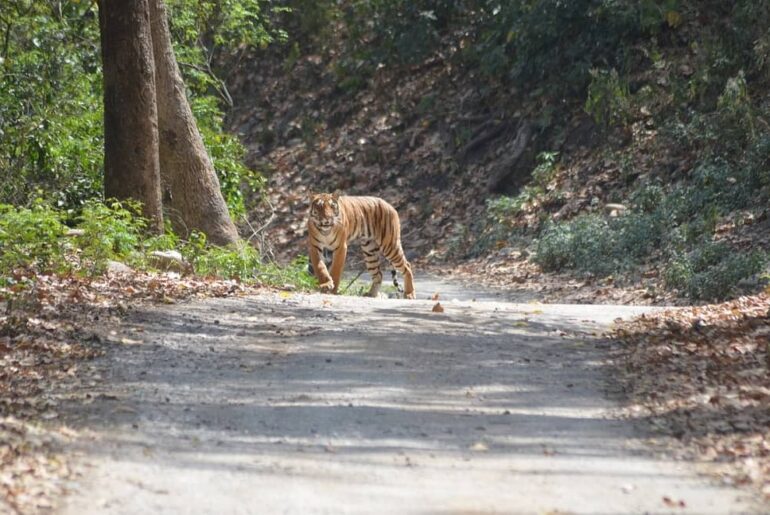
372, 260
398, 260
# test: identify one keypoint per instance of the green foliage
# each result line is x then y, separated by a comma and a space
586, 244
537, 42
111, 230
33, 241
243, 262
225, 23
295, 274
30, 239
397, 31
677, 226
236, 180
51, 141
599, 246
711, 271
608, 99
50, 103
239, 261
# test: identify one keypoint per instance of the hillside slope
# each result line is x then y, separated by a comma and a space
645, 185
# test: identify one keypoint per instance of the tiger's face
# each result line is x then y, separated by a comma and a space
325, 211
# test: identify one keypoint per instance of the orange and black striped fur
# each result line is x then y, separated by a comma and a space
336, 220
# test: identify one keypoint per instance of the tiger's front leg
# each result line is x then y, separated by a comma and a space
338, 264
325, 281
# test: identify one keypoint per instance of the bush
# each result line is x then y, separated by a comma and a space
34, 241
398, 31
50, 104
711, 271
239, 261
30, 238
585, 244
608, 100
111, 230
599, 246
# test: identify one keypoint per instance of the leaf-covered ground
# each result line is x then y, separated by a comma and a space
700, 374
47, 338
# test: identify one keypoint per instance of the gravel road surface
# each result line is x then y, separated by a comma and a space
296, 403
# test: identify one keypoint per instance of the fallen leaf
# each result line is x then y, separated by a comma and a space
438, 308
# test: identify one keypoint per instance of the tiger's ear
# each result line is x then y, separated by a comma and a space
336, 195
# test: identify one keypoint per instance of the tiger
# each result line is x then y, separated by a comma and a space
335, 220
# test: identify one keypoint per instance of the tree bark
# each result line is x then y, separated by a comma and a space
190, 184
506, 167
131, 165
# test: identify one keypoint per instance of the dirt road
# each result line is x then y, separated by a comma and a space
290, 403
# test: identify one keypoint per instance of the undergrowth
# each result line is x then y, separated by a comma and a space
41, 239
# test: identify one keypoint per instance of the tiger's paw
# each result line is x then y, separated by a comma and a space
410, 295
327, 287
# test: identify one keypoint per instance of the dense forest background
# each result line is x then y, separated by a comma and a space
624, 143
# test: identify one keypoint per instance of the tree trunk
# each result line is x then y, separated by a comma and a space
131, 165
191, 187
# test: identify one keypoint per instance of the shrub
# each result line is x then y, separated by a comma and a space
239, 261
599, 246
585, 244
608, 100
111, 230
711, 271
30, 238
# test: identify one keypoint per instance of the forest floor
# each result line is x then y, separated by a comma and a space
308, 403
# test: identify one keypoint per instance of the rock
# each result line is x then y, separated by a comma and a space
615, 209
118, 268
170, 260
514, 254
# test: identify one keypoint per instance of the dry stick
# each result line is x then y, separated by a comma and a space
259, 232
354, 280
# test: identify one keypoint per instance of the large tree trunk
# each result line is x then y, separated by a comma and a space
191, 187
131, 165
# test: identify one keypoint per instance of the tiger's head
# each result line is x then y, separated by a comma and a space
325, 210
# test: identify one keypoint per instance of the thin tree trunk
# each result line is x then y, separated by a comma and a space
191, 186
131, 165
